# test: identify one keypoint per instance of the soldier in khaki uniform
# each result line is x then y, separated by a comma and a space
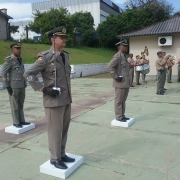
131, 69
161, 72
169, 70
119, 70
178, 80
15, 83
53, 65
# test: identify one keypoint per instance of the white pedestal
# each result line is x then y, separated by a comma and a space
50, 169
14, 130
122, 124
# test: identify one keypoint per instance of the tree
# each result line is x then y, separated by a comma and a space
13, 29
46, 21
83, 27
132, 19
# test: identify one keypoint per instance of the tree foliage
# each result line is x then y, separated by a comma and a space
83, 26
134, 18
13, 29
46, 21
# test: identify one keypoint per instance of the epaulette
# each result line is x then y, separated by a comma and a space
45, 52
65, 51
8, 58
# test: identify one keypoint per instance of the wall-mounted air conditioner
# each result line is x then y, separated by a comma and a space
165, 41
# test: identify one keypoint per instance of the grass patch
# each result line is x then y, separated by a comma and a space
82, 55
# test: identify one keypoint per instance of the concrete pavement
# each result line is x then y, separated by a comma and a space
149, 149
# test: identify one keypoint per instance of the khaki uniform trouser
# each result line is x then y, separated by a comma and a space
119, 102
137, 76
58, 120
161, 81
169, 74
131, 75
17, 104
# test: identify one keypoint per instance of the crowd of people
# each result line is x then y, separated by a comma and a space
141, 67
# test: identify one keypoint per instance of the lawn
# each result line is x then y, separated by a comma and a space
83, 55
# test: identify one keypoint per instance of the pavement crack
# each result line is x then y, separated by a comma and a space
104, 169
170, 169
16, 146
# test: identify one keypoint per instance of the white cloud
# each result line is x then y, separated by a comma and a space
18, 11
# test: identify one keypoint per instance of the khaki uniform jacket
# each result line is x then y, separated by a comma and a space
160, 64
12, 73
119, 66
45, 64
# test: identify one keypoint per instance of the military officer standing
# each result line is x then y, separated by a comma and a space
54, 67
119, 70
15, 83
161, 72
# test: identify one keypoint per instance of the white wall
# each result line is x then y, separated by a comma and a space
137, 45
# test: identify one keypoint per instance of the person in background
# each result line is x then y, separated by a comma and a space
161, 72
131, 69
178, 62
138, 62
146, 68
169, 70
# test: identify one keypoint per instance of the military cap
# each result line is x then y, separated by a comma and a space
59, 31
123, 43
16, 45
159, 52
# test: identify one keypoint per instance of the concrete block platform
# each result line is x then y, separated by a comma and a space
14, 130
49, 169
122, 124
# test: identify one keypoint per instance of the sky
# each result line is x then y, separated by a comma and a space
21, 9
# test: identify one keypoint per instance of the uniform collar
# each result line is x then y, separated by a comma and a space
52, 51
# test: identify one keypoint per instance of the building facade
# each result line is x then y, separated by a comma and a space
150, 36
4, 24
22, 30
99, 9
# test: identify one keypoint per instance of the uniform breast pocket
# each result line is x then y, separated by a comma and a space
16, 77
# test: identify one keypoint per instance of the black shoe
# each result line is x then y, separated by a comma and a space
25, 123
160, 93
124, 117
122, 120
67, 159
170, 82
59, 164
164, 89
131, 85
138, 84
18, 125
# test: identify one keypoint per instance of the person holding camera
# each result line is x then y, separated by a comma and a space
119, 70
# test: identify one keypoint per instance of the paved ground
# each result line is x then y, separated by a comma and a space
148, 150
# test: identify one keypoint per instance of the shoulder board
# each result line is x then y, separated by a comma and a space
45, 52
8, 58
66, 52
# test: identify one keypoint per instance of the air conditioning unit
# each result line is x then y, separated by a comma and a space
165, 41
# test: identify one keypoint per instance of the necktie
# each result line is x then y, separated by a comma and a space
19, 59
63, 57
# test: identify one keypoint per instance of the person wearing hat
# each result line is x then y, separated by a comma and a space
15, 83
54, 67
161, 72
119, 70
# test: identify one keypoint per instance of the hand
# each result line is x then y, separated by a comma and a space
50, 91
10, 91
119, 79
